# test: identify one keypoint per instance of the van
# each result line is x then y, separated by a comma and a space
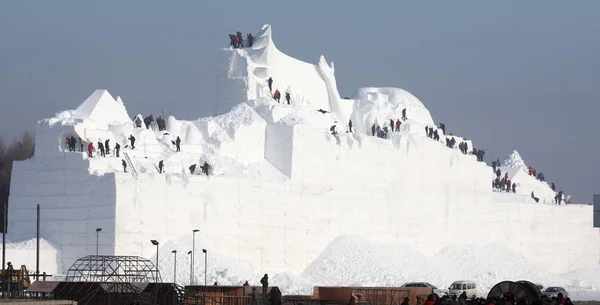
458, 287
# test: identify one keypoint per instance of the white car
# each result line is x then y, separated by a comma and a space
458, 287
440, 293
552, 292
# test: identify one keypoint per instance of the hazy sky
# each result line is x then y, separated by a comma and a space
507, 74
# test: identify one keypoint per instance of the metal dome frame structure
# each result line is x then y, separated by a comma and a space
113, 268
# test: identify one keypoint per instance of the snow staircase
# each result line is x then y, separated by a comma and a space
130, 164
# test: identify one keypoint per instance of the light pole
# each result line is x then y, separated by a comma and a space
155, 242
189, 253
205, 254
175, 267
97, 233
193, 252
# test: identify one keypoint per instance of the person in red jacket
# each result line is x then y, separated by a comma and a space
250, 39
277, 95
373, 129
235, 41
90, 149
398, 124
506, 176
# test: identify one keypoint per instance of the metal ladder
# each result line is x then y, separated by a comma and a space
130, 164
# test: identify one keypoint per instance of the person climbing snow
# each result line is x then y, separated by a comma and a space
398, 124
90, 150
534, 198
124, 165
350, 125
404, 114
332, 129
117, 148
287, 97
443, 128
205, 168
160, 166
192, 168
250, 40
178, 144
107, 147
270, 82
277, 95
132, 141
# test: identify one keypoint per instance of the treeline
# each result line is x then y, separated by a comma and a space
21, 149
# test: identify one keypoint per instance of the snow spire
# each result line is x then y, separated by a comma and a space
515, 161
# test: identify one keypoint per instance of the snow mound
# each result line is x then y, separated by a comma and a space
354, 261
387, 103
515, 161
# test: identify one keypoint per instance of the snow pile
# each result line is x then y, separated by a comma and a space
24, 253
355, 261
515, 161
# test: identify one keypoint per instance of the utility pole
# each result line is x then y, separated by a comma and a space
4, 226
37, 248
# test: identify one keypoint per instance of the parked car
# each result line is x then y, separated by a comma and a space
458, 287
552, 292
439, 292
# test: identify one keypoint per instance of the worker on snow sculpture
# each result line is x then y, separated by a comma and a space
265, 283
332, 129
427, 131
404, 114
391, 125
373, 130
250, 40
540, 177
101, 148
73, 142
107, 147
514, 188
398, 124
436, 135
558, 197
534, 198
270, 82
350, 125
192, 168
240, 40
443, 128
385, 132
277, 96
205, 168
124, 165
553, 187
132, 140
232, 39
508, 185
287, 97
117, 148
68, 140
81, 142
178, 144
90, 150
160, 166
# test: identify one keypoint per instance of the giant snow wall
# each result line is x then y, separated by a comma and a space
283, 187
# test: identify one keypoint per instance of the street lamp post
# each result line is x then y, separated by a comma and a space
175, 267
205, 255
193, 252
189, 253
155, 242
97, 233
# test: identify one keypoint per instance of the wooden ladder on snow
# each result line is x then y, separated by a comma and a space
130, 164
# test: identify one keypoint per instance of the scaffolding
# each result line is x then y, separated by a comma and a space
111, 268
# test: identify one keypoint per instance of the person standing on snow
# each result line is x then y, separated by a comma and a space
287, 97
240, 40
404, 114
81, 142
205, 168
160, 166
277, 96
391, 125
107, 147
398, 124
124, 165
514, 188
90, 150
250, 40
270, 82
178, 144
373, 130
553, 187
192, 168
132, 141
117, 148
101, 148
350, 125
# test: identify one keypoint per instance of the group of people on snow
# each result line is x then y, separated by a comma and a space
507, 299
162, 124
277, 95
237, 42
376, 130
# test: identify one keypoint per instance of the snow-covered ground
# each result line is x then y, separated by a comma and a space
288, 197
